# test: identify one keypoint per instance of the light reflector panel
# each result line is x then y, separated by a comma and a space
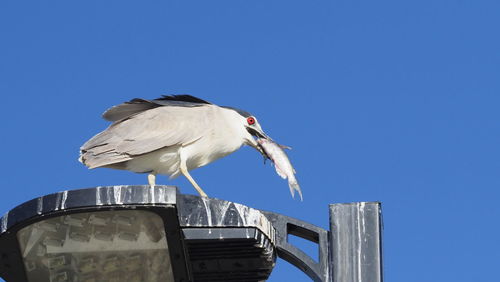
119, 245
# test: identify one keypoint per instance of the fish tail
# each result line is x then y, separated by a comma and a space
294, 186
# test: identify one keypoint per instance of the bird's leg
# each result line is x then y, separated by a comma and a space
185, 172
152, 180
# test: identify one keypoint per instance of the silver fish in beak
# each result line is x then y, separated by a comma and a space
281, 162
259, 134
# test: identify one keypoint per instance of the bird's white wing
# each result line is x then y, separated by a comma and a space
146, 132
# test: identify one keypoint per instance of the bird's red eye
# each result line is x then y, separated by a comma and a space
250, 120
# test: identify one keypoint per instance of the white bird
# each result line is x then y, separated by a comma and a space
170, 136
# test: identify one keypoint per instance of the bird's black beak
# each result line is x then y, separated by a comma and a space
257, 133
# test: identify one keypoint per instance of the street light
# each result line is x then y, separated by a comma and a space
136, 233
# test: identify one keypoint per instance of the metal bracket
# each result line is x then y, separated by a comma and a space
284, 225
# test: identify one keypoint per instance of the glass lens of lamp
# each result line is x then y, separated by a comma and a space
123, 245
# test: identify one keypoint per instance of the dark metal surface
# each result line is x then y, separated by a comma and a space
356, 242
229, 254
226, 241
11, 261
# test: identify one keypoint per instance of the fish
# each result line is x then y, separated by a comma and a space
282, 163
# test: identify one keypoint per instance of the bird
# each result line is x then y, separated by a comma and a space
170, 135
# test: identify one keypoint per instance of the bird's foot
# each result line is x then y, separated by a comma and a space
152, 180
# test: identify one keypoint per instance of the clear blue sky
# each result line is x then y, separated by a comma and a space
392, 101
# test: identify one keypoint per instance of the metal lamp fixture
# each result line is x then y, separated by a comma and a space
138, 233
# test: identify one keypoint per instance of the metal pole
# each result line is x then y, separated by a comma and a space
356, 242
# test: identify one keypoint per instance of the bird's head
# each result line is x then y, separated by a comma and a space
252, 130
